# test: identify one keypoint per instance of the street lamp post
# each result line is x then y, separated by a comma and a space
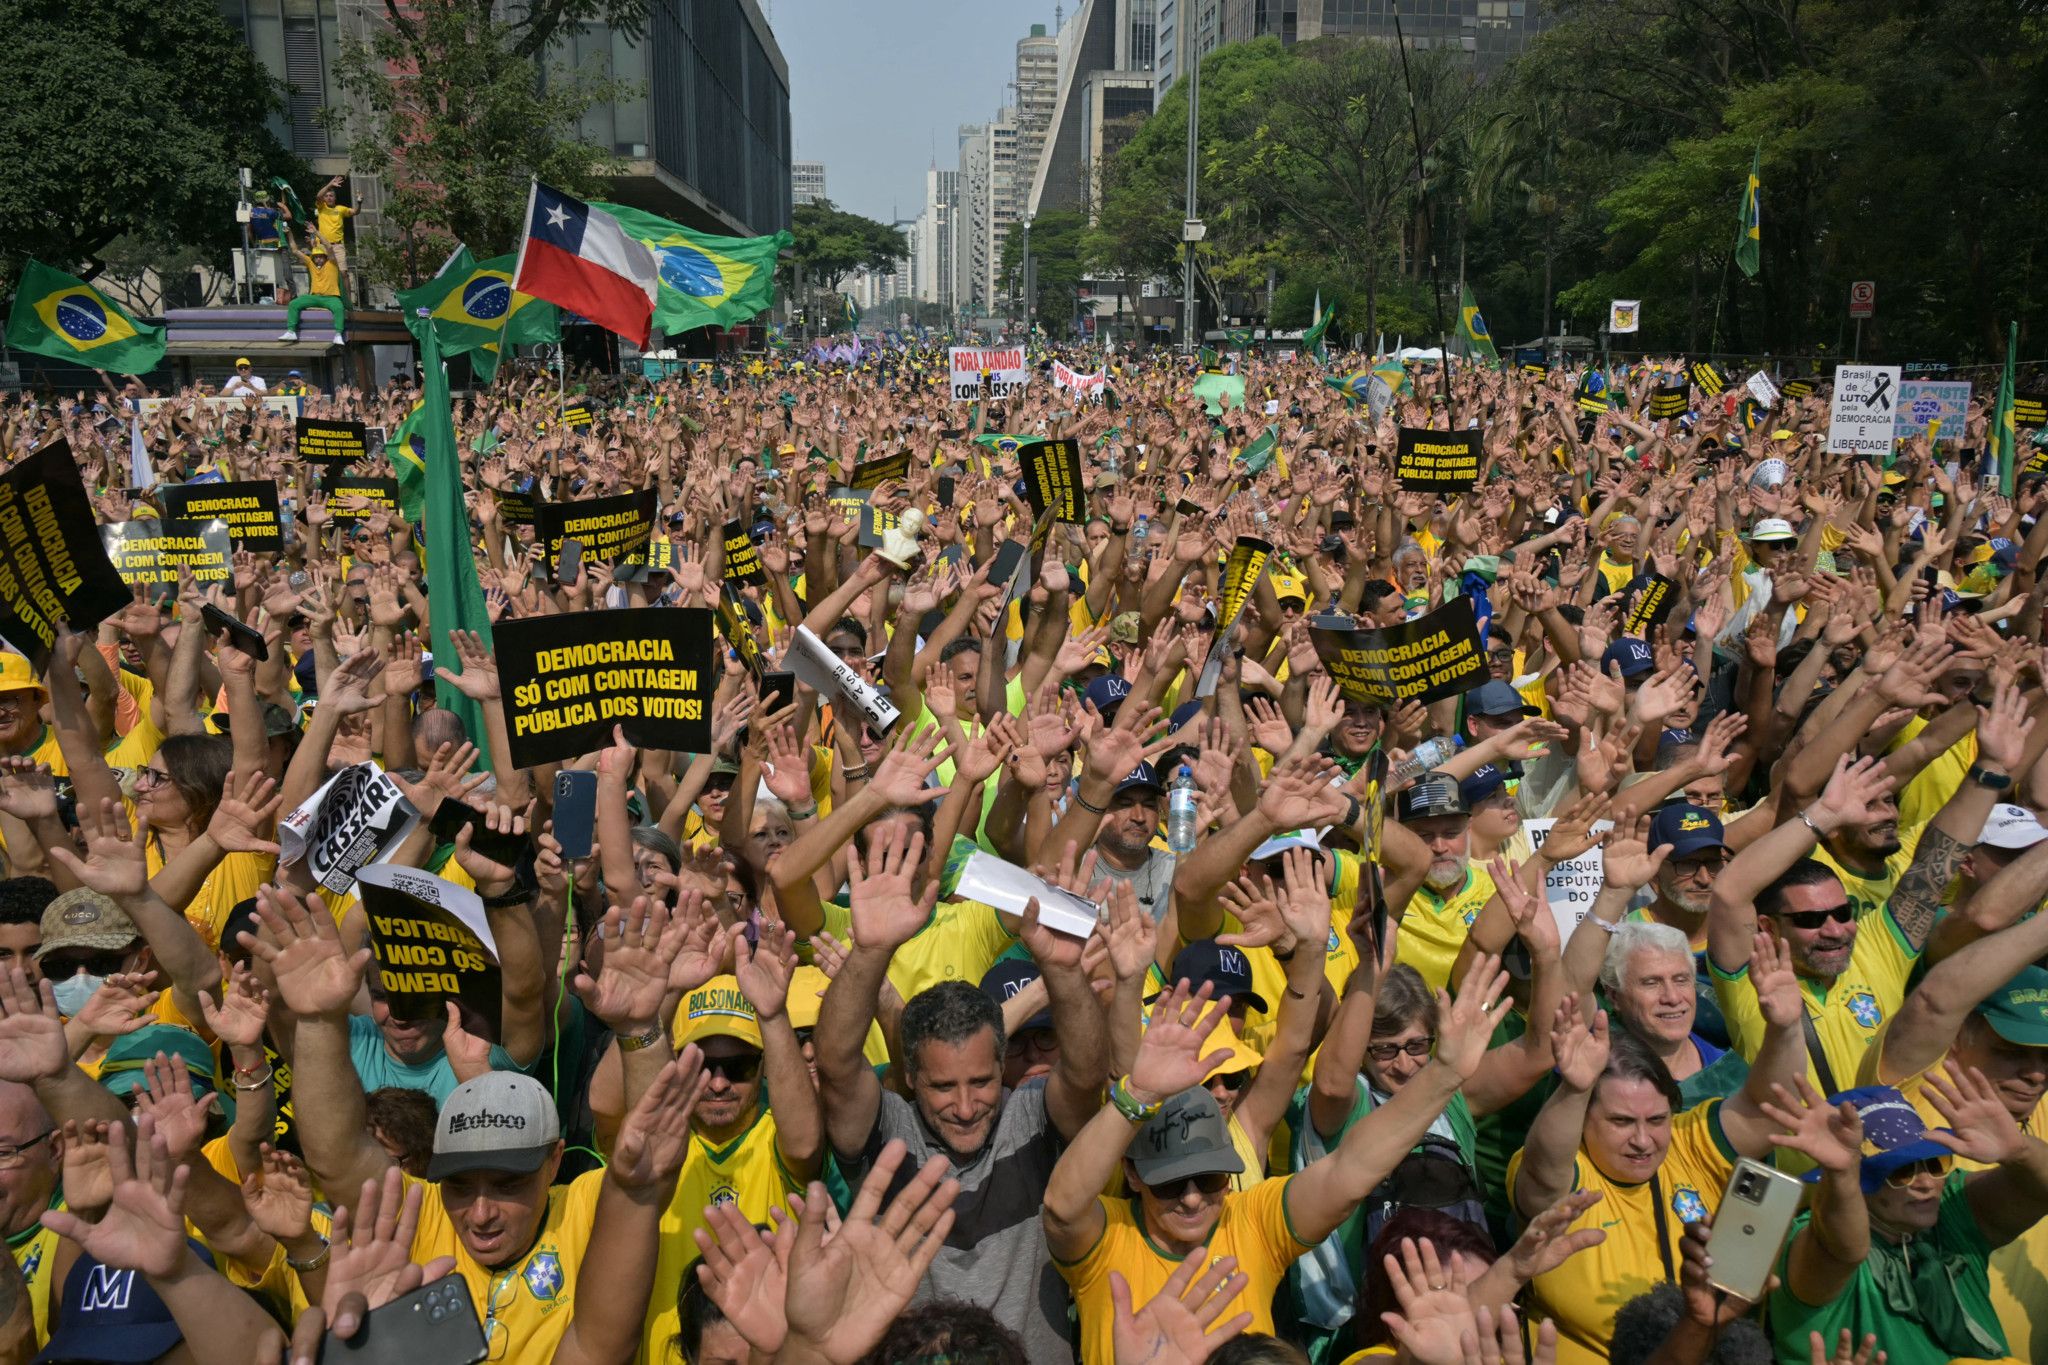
1028, 300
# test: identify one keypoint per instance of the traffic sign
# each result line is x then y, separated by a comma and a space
1863, 299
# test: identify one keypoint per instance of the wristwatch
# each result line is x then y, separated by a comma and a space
1989, 780
637, 1041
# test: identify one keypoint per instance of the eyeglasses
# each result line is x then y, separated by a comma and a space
497, 1335
1043, 1042
14, 1155
1233, 1081
803, 1036
1211, 1182
60, 965
736, 1070
1902, 1176
1814, 919
149, 779
1386, 1052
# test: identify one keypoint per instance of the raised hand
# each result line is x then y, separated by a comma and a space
1298, 794
1629, 862
371, 1263
478, 679
1545, 1244
1982, 1131
1179, 1326
1469, 1020
279, 1196
116, 864
32, 1045
887, 911
745, 1272
1775, 983
143, 1227
1579, 1042
1831, 1135
656, 1135
166, 1096
900, 777
492, 877
1436, 1314
315, 975
640, 945
1170, 1057
247, 810
1855, 794
764, 972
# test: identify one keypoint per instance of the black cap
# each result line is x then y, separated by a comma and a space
1433, 795
1229, 968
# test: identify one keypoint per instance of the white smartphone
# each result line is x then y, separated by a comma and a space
1749, 1230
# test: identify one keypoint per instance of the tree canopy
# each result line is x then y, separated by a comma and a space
831, 242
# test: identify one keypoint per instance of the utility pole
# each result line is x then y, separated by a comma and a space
1028, 300
1191, 230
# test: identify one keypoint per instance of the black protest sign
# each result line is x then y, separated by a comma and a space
567, 680
1424, 660
1670, 400
1053, 478
1798, 388
148, 551
52, 568
1709, 379
742, 556
432, 944
1655, 596
1248, 559
2030, 409
854, 505
515, 507
247, 508
738, 628
578, 416
331, 444
610, 529
874, 473
351, 497
1441, 461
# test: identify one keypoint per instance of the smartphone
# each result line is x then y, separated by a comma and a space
777, 691
569, 563
575, 811
452, 816
946, 486
436, 1324
1749, 1229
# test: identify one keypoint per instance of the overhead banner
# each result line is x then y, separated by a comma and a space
1670, 401
358, 817
286, 403
350, 497
855, 506
1065, 377
433, 944
611, 529
1001, 366
1864, 410
248, 508
52, 566
1437, 656
1624, 315
1053, 478
331, 443
148, 551
742, 556
1442, 461
567, 680
1653, 602
825, 673
1923, 401
874, 473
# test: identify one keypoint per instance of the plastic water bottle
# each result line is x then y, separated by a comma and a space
1180, 813
1428, 755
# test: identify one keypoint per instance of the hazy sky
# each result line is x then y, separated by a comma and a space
877, 86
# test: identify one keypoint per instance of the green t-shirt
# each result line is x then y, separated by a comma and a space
1928, 1300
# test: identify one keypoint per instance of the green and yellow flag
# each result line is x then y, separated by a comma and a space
455, 599
1749, 226
2005, 435
1472, 327
1312, 339
406, 447
476, 311
64, 318
706, 280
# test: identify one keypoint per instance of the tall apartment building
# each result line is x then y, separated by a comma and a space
971, 230
932, 240
1107, 51
1037, 88
806, 182
1186, 29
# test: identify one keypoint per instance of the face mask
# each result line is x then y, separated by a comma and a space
73, 991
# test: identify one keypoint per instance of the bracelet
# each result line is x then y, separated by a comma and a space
1353, 811
254, 1084
640, 1041
1088, 805
1129, 1105
1807, 821
1117, 530
855, 773
804, 813
308, 1266
517, 896
1989, 780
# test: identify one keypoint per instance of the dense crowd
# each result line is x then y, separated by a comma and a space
1440, 1031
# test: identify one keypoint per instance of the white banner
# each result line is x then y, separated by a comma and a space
1864, 409
1762, 388
990, 880
1572, 886
1065, 378
1624, 315
824, 672
1932, 400
1004, 366
358, 816
288, 404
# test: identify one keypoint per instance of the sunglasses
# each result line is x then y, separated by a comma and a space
1232, 1081
736, 1070
1900, 1177
1212, 1182
1814, 919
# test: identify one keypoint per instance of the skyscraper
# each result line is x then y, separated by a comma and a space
1106, 54
806, 182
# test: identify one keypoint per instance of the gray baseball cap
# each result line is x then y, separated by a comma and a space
501, 1121
1187, 1137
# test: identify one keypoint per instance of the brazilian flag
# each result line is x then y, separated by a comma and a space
2004, 433
64, 318
778, 340
1312, 339
406, 447
706, 280
475, 310
1472, 327
1749, 223
1210, 363
1240, 339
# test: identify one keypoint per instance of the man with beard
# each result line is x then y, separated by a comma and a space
1454, 890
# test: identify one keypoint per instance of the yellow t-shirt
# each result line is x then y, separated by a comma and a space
36, 1257
1847, 1015
329, 218
1435, 926
233, 880
962, 941
530, 1302
323, 277
1584, 1294
1615, 573
747, 1173
1866, 893
1252, 1227
1340, 954
1922, 799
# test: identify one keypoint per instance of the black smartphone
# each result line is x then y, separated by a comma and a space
569, 563
436, 1324
777, 691
575, 811
245, 638
452, 815
946, 483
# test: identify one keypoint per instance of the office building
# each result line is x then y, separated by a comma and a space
1107, 50
806, 182
1186, 29
932, 240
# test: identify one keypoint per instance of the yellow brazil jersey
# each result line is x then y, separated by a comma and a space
233, 880
961, 942
747, 1173
1615, 573
1868, 893
1340, 954
1847, 1013
526, 1306
1436, 924
1922, 799
35, 1255
139, 745
1644, 1224
1252, 1227
48, 752
323, 278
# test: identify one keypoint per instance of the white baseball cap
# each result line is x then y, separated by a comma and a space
1773, 528
1280, 843
500, 1121
2012, 827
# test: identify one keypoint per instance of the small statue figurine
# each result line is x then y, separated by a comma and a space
899, 543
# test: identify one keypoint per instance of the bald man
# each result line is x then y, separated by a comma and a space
29, 1184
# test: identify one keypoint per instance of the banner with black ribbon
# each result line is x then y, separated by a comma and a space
1425, 660
1241, 573
53, 568
567, 680
248, 508
1438, 461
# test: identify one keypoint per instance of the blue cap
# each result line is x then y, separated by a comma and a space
1006, 978
1229, 968
1184, 713
1688, 829
1144, 775
1634, 656
291, 374
1894, 1134
1107, 692
1483, 782
113, 1314
1494, 698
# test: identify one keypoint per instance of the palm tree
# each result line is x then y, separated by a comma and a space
1519, 152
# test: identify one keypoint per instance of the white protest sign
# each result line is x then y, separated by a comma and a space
988, 879
1762, 389
459, 901
358, 816
1932, 400
824, 672
1004, 366
1572, 886
1064, 377
1864, 409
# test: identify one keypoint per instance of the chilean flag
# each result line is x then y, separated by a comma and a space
581, 259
